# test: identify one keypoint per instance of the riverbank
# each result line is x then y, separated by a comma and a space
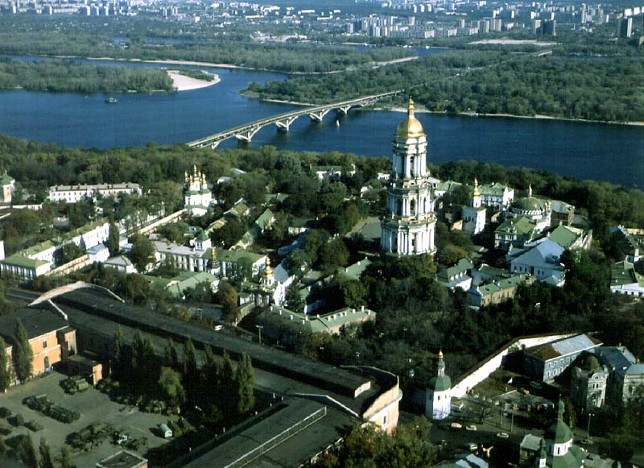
462, 114
186, 83
510, 116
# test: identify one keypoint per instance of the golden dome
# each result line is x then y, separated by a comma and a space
410, 127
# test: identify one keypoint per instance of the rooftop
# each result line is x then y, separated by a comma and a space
86, 305
123, 459
37, 322
567, 346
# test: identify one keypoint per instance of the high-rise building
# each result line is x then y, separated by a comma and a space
409, 226
625, 27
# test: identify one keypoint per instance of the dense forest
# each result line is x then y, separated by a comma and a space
490, 82
293, 58
67, 75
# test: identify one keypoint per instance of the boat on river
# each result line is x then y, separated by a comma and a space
111, 100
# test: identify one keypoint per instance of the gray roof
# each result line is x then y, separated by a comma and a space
293, 451
37, 322
573, 344
546, 252
89, 302
618, 358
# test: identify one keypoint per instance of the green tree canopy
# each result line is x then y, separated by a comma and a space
244, 380
5, 372
142, 252
170, 385
23, 354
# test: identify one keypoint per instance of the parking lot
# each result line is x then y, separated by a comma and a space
94, 407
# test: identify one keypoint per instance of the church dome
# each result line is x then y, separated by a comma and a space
440, 382
559, 432
528, 204
411, 126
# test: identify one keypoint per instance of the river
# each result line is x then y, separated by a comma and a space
613, 153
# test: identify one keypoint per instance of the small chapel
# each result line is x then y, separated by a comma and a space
439, 399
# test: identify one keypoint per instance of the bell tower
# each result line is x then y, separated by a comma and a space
409, 226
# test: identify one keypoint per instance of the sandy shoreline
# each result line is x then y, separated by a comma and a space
511, 116
187, 83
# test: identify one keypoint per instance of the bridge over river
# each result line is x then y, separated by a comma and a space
245, 133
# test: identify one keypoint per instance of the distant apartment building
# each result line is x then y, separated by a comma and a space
625, 27
76, 193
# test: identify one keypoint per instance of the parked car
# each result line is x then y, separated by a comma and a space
473, 446
456, 425
502, 435
471, 427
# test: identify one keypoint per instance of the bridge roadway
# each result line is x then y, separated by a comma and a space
245, 133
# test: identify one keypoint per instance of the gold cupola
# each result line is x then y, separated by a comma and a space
410, 127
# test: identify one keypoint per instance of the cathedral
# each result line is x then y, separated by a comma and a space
409, 226
197, 196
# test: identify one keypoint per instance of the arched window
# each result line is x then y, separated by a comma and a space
412, 207
399, 207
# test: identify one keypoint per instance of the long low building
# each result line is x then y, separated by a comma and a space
345, 396
76, 193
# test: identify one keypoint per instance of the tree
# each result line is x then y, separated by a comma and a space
5, 373
170, 385
112, 241
297, 262
189, 360
142, 252
226, 387
23, 354
67, 253
333, 254
229, 299
144, 363
46, 460
65, 457
134, 287
119, 366
353, 292
171, 356
80, 213
244, 379
26, 452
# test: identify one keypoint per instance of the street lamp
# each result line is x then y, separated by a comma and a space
590, 415
259, 328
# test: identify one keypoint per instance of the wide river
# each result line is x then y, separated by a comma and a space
613, 153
